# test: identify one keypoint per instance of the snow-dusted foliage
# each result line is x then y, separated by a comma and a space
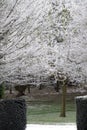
39, 38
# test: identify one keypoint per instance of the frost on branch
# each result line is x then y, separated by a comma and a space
39, 38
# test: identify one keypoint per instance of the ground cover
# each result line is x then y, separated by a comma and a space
44, 106
49, 112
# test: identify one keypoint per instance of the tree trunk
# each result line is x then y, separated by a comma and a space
10, 90
63, 105
28, 89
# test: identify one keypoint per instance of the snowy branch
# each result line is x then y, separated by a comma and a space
41, 38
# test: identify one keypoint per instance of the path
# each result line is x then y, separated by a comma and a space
51, 127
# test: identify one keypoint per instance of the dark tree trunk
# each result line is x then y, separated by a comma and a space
63, 106
28, 89
10, 90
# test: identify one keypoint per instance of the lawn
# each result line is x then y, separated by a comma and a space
49, 112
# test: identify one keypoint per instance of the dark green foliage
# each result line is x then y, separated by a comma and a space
1, 90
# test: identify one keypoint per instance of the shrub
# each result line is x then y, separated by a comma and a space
21, 89
12, 114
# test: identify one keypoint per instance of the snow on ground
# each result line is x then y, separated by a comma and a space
51, 127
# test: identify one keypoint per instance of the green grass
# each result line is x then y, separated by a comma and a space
49, 112
51, 118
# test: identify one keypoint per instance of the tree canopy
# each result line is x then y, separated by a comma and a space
39, 38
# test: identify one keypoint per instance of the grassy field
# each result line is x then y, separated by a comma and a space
49, 112
44, 106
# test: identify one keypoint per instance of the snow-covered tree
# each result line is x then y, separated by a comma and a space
39, 38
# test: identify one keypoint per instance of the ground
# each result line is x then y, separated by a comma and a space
44, 106
52, 127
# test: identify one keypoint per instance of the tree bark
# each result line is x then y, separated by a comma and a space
10, 90
63, 105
